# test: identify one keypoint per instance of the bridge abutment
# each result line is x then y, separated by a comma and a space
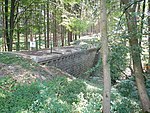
72, 60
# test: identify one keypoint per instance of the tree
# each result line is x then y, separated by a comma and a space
20, 22
1, 18
149, 32
18, 34
48, 25
105, 52
55, 40
3, 26
6, 24
135, 52
12, 21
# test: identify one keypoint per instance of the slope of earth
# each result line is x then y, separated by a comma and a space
25, 70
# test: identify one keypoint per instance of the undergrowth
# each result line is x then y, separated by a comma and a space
61, 95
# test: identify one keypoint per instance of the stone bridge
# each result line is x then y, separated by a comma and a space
73, 60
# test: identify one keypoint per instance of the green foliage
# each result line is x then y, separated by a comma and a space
66, 96
7, 83
127, 88
75, 25
94, 104
70, 92
71, 1
61, 95
125, 105
21, 97
94, 69
31, 98
126, 94
38, 97
118, 60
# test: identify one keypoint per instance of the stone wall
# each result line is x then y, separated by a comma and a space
75, 63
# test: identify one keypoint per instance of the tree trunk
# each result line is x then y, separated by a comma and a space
139, 76
6, 24
142, 22
45, 26
12, 14
3, 26
69, 38
55, 32
149, 33
75, 36
135, 53
39, 38
105, 52
18, 38
48, 24
62, 35
39, 27
55, 41
26, 33
18, 35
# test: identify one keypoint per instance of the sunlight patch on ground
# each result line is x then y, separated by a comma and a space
92, 36
92, 87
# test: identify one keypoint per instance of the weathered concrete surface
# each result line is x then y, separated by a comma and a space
72, 60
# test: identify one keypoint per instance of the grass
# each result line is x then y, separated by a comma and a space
9, 58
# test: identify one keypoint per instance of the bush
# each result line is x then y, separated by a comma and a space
72, 90
21, 97
123, 104
127, 88
118, 61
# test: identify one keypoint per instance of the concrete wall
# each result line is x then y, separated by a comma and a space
75, 63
